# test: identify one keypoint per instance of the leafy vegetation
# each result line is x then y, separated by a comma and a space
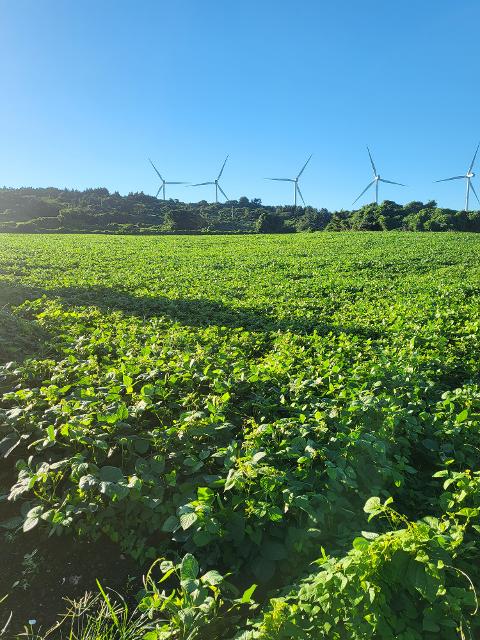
298, 412
99, 211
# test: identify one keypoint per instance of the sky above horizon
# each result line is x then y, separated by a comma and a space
92, 89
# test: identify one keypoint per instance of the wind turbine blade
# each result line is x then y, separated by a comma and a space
473, 189
473, 161
201, 184
222, 191
454, 178
166, 182
366, 189
159, 189
371, 162
282, 179
303, 168
391, 182
300, 194
223, 167
156, 170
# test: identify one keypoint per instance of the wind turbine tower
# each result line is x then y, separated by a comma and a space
164, 182
296, 188
216, 182
468, 177
376, 179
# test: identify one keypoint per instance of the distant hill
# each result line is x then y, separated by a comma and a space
51, 210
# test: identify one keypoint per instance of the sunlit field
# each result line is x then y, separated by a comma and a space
297, 412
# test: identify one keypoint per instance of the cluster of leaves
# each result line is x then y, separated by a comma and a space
194, 606
48, 210
411, 582
414, 216
241, 399
99, 211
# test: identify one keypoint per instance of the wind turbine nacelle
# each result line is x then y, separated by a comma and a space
470, 174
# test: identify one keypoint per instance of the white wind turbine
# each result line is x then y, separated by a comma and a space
468, 177
164, 182
215, 182
376, 179
296, 188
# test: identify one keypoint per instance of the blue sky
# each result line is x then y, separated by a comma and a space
92, 88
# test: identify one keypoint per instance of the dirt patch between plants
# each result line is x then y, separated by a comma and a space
38, 573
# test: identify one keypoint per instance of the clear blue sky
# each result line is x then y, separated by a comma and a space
91, 88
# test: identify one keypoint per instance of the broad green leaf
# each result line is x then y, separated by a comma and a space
212, 577
188, 567
258, 456
360, 544
30, 523
111, 474
247, 594
87, 482
188, 519
372, 505
171, 524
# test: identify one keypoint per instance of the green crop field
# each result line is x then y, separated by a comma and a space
298, 412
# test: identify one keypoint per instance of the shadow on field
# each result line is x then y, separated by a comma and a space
20, 337
12, 294
193, 312
198, 312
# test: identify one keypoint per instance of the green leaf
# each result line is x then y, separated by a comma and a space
114, 490
360, 544
258, 456
204, 494
30, 523
247, 594
141, 445
188, 519
372, 505
212, 577
189, 567
231, 480
111, 474
431, 521
201, 538
87, 482
462, 416
431, 445
171, 524
35, 512
369, 535
468, 512
9, 443
274, 514
147, 390
430, 625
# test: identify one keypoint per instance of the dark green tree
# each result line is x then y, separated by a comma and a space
269, 223
313, 220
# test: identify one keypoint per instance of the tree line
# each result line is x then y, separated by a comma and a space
51, 210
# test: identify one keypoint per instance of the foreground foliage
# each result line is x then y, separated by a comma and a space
249, 403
